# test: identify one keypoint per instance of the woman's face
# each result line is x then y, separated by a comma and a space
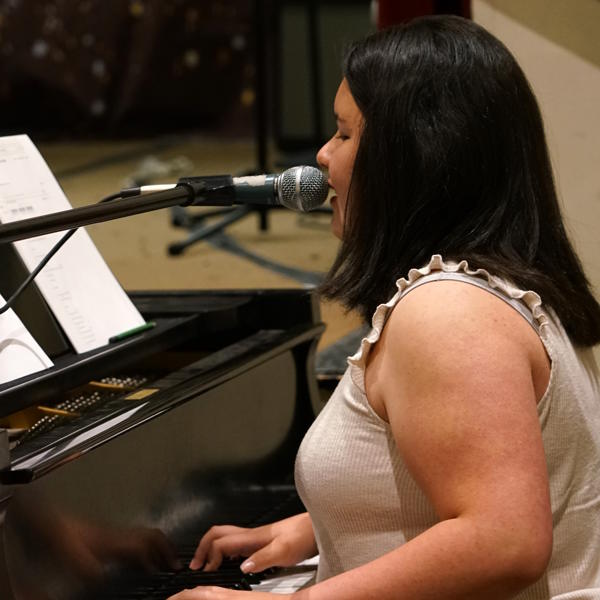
337, 155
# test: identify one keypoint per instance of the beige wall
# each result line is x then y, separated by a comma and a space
572, 24
568, 89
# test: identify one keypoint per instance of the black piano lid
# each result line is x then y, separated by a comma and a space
272, 308
176, 323
181, 316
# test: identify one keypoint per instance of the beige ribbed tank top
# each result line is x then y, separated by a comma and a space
364, 503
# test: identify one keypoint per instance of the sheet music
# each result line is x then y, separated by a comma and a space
20, 354
80, 289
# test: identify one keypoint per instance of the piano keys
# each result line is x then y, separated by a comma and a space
160, 585
205, 430
289, 580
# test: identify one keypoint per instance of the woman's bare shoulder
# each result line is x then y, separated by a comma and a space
452, 314
447, 327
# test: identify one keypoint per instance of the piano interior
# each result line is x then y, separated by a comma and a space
120, 458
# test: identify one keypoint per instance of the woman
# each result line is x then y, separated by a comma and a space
460, 455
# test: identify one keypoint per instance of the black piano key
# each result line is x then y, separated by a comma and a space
169, 583
260, 505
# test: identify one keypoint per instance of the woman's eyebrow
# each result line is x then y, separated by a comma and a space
338, 118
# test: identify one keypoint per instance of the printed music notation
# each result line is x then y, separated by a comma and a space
80, 289
20, 354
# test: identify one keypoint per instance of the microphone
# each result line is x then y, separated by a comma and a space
300, 188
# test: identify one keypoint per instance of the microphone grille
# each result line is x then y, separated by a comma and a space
302, 188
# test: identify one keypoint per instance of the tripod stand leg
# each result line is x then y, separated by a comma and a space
202, 232
180, 217
263, 219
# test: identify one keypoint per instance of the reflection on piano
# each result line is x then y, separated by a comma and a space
192, 423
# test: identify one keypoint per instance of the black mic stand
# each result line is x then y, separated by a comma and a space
198, 231
195, 224
183, 194
265, 37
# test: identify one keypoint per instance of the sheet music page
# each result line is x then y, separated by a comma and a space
80, 289
20, 354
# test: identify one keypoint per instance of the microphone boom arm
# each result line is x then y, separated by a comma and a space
183, 194
299, 188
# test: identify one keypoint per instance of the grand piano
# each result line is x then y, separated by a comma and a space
119, 456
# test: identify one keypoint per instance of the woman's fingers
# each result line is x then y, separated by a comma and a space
207, 540
271, 555
225, 541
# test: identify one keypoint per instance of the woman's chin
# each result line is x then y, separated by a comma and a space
336, 228
334, 224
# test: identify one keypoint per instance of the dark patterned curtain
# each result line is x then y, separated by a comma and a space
120, 67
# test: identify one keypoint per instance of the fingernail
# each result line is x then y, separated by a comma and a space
194, 564
248, 566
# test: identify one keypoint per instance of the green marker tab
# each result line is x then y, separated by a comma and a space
131, 332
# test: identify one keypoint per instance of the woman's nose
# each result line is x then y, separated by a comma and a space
323, 156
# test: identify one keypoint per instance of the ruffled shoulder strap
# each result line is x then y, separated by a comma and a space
527, 302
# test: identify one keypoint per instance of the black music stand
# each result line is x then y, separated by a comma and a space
265, 12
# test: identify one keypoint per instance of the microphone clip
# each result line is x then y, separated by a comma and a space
210, 190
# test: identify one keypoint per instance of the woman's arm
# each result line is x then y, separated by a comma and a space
458, 374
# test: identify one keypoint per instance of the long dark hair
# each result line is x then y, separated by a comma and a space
453, 161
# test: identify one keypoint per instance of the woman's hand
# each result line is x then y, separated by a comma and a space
217, 593
281, 544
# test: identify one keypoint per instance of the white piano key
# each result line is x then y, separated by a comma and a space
290, 579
